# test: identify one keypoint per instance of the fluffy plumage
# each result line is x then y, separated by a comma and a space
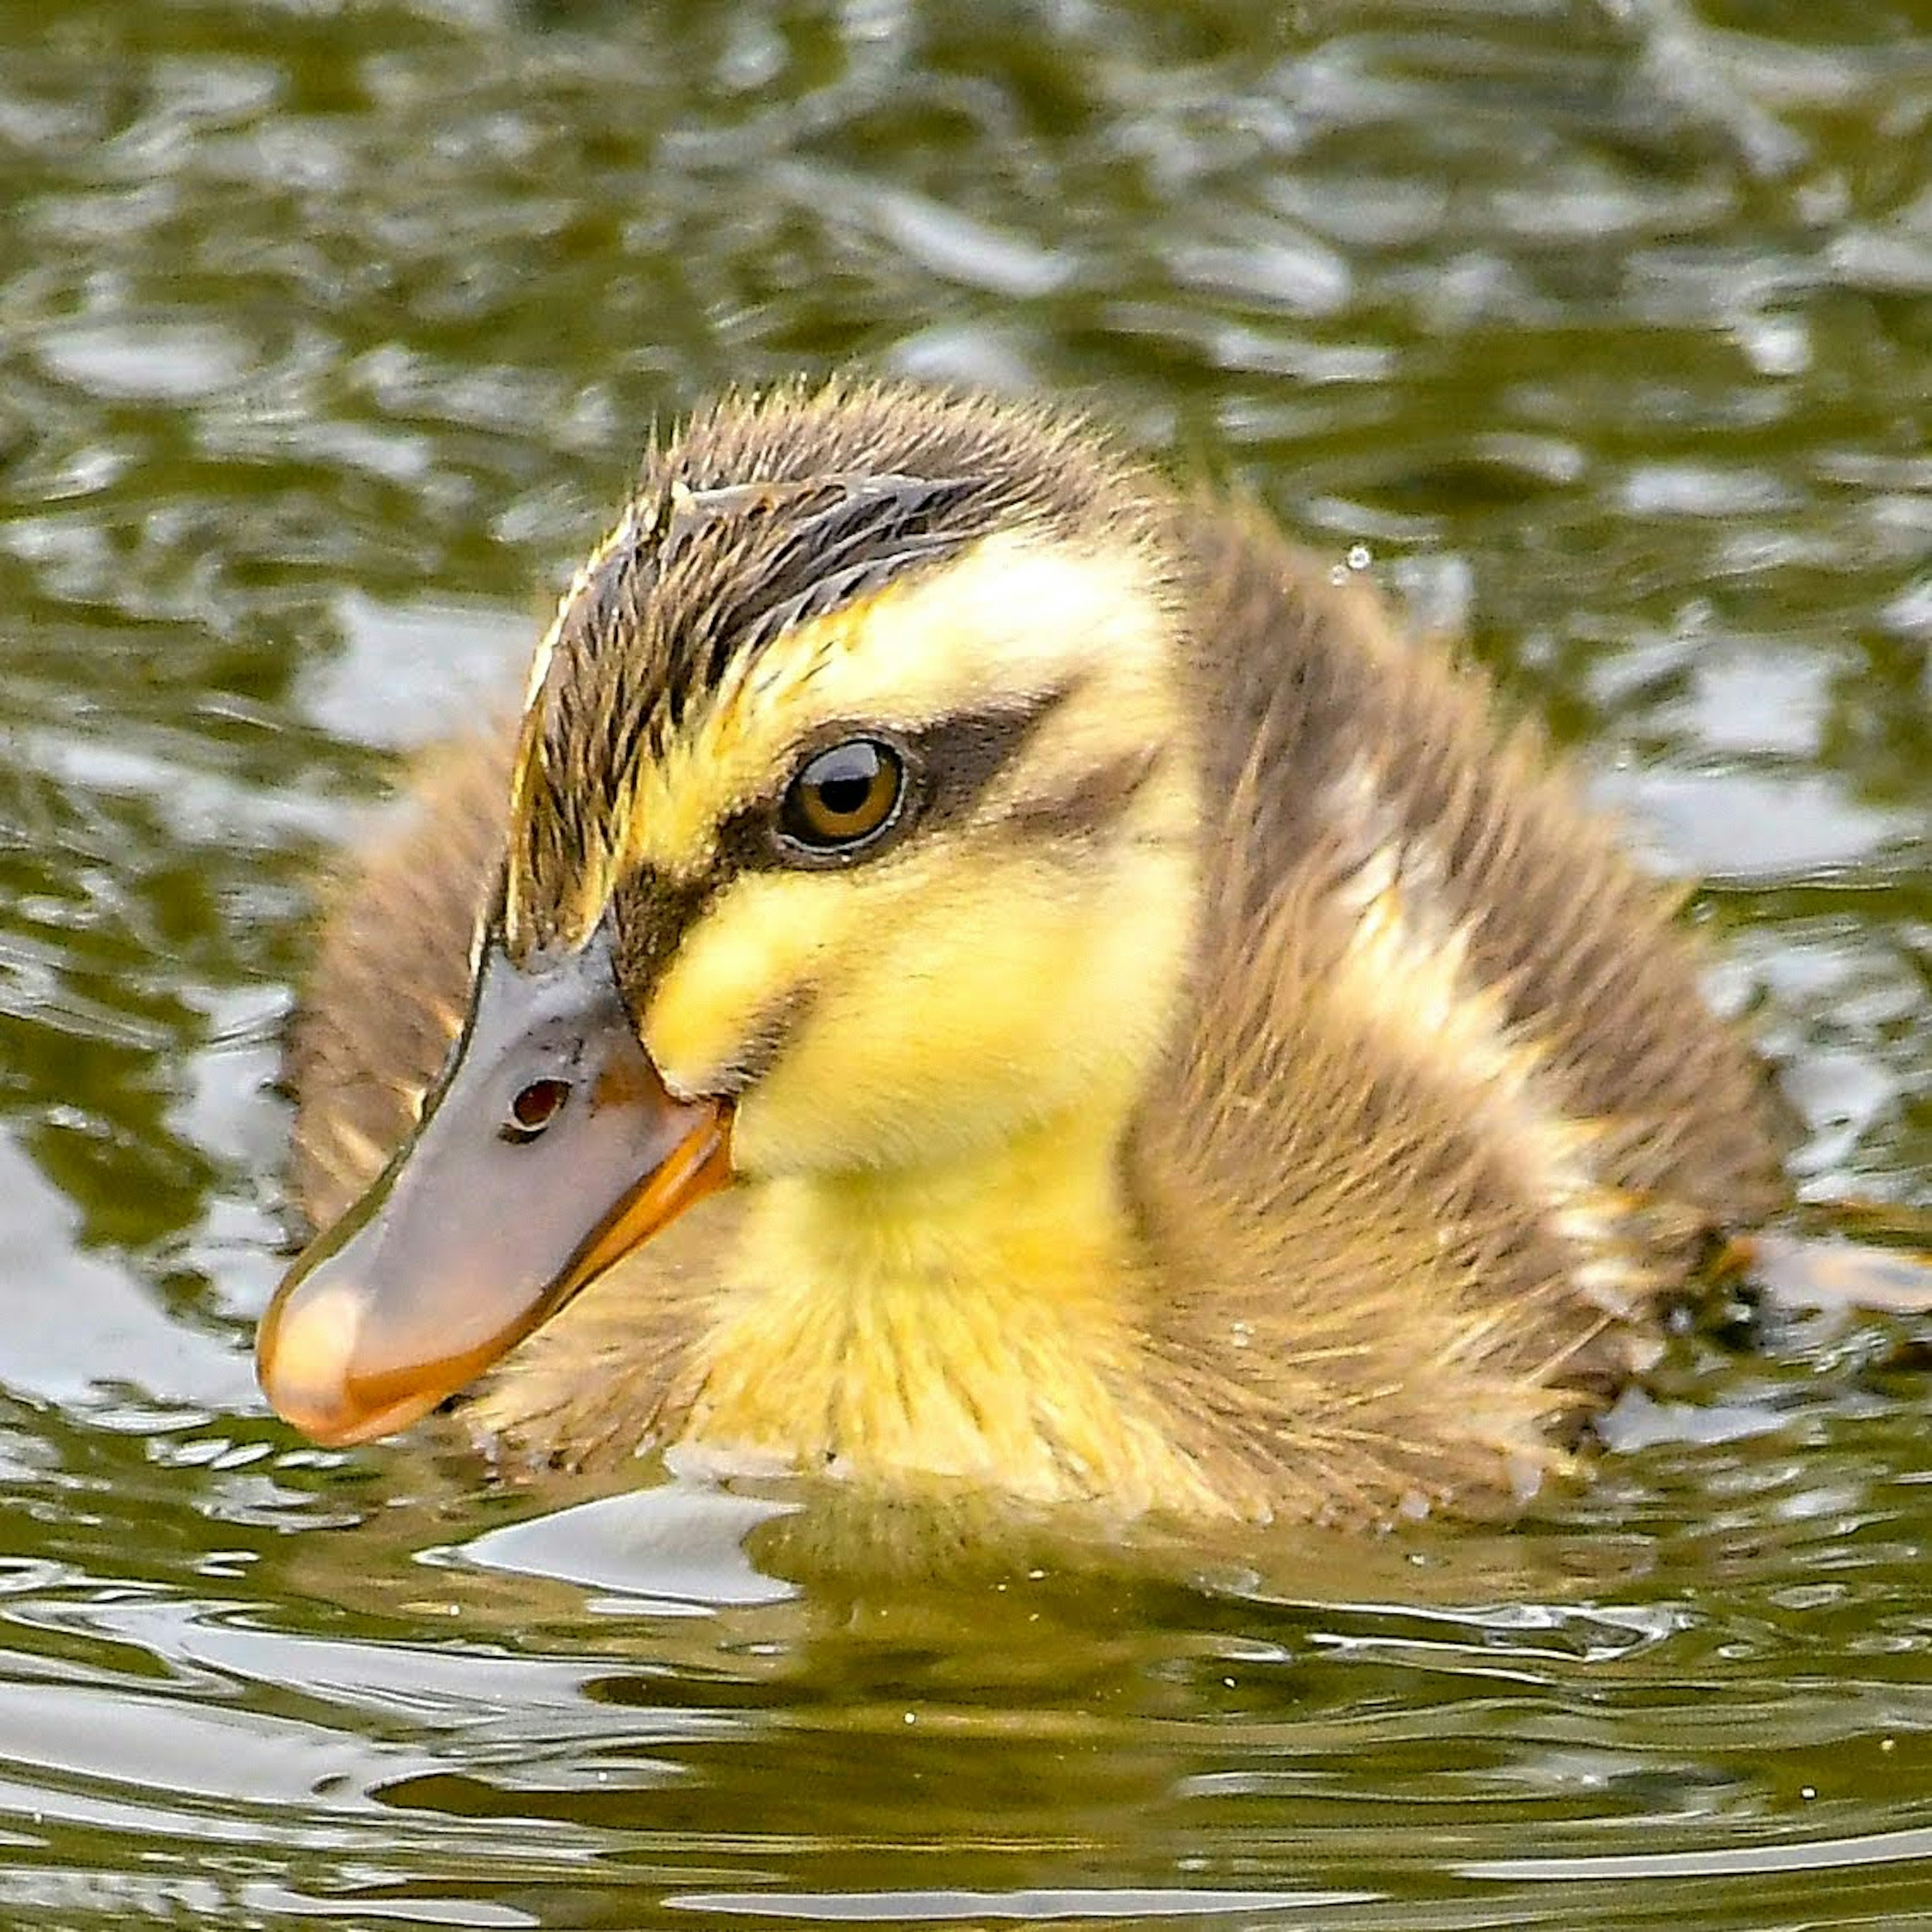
1256, 1085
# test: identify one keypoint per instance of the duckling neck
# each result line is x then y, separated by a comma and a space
1042, 1216
972, 1321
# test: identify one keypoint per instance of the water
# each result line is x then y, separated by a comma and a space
327, 336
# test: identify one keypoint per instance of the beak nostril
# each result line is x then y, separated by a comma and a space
533, 1109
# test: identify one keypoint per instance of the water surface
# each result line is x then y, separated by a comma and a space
329, 334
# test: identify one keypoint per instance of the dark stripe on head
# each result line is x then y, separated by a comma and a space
762, 515
767, 1038
844, 537
650, 915
949, 765
1089, 807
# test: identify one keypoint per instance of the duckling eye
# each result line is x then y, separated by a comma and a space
844, 796
534, 1108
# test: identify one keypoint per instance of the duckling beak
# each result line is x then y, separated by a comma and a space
549, 1150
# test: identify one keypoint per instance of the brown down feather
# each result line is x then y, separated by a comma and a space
1357, 1294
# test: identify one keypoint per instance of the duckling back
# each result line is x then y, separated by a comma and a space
1450, 1120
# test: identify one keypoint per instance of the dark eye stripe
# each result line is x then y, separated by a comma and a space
965, 753
1088, 806
950, 764
650, 913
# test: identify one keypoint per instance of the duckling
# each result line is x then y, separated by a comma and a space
975, 971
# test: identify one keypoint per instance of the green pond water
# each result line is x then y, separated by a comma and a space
329, 333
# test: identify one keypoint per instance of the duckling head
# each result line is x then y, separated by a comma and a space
852, 841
